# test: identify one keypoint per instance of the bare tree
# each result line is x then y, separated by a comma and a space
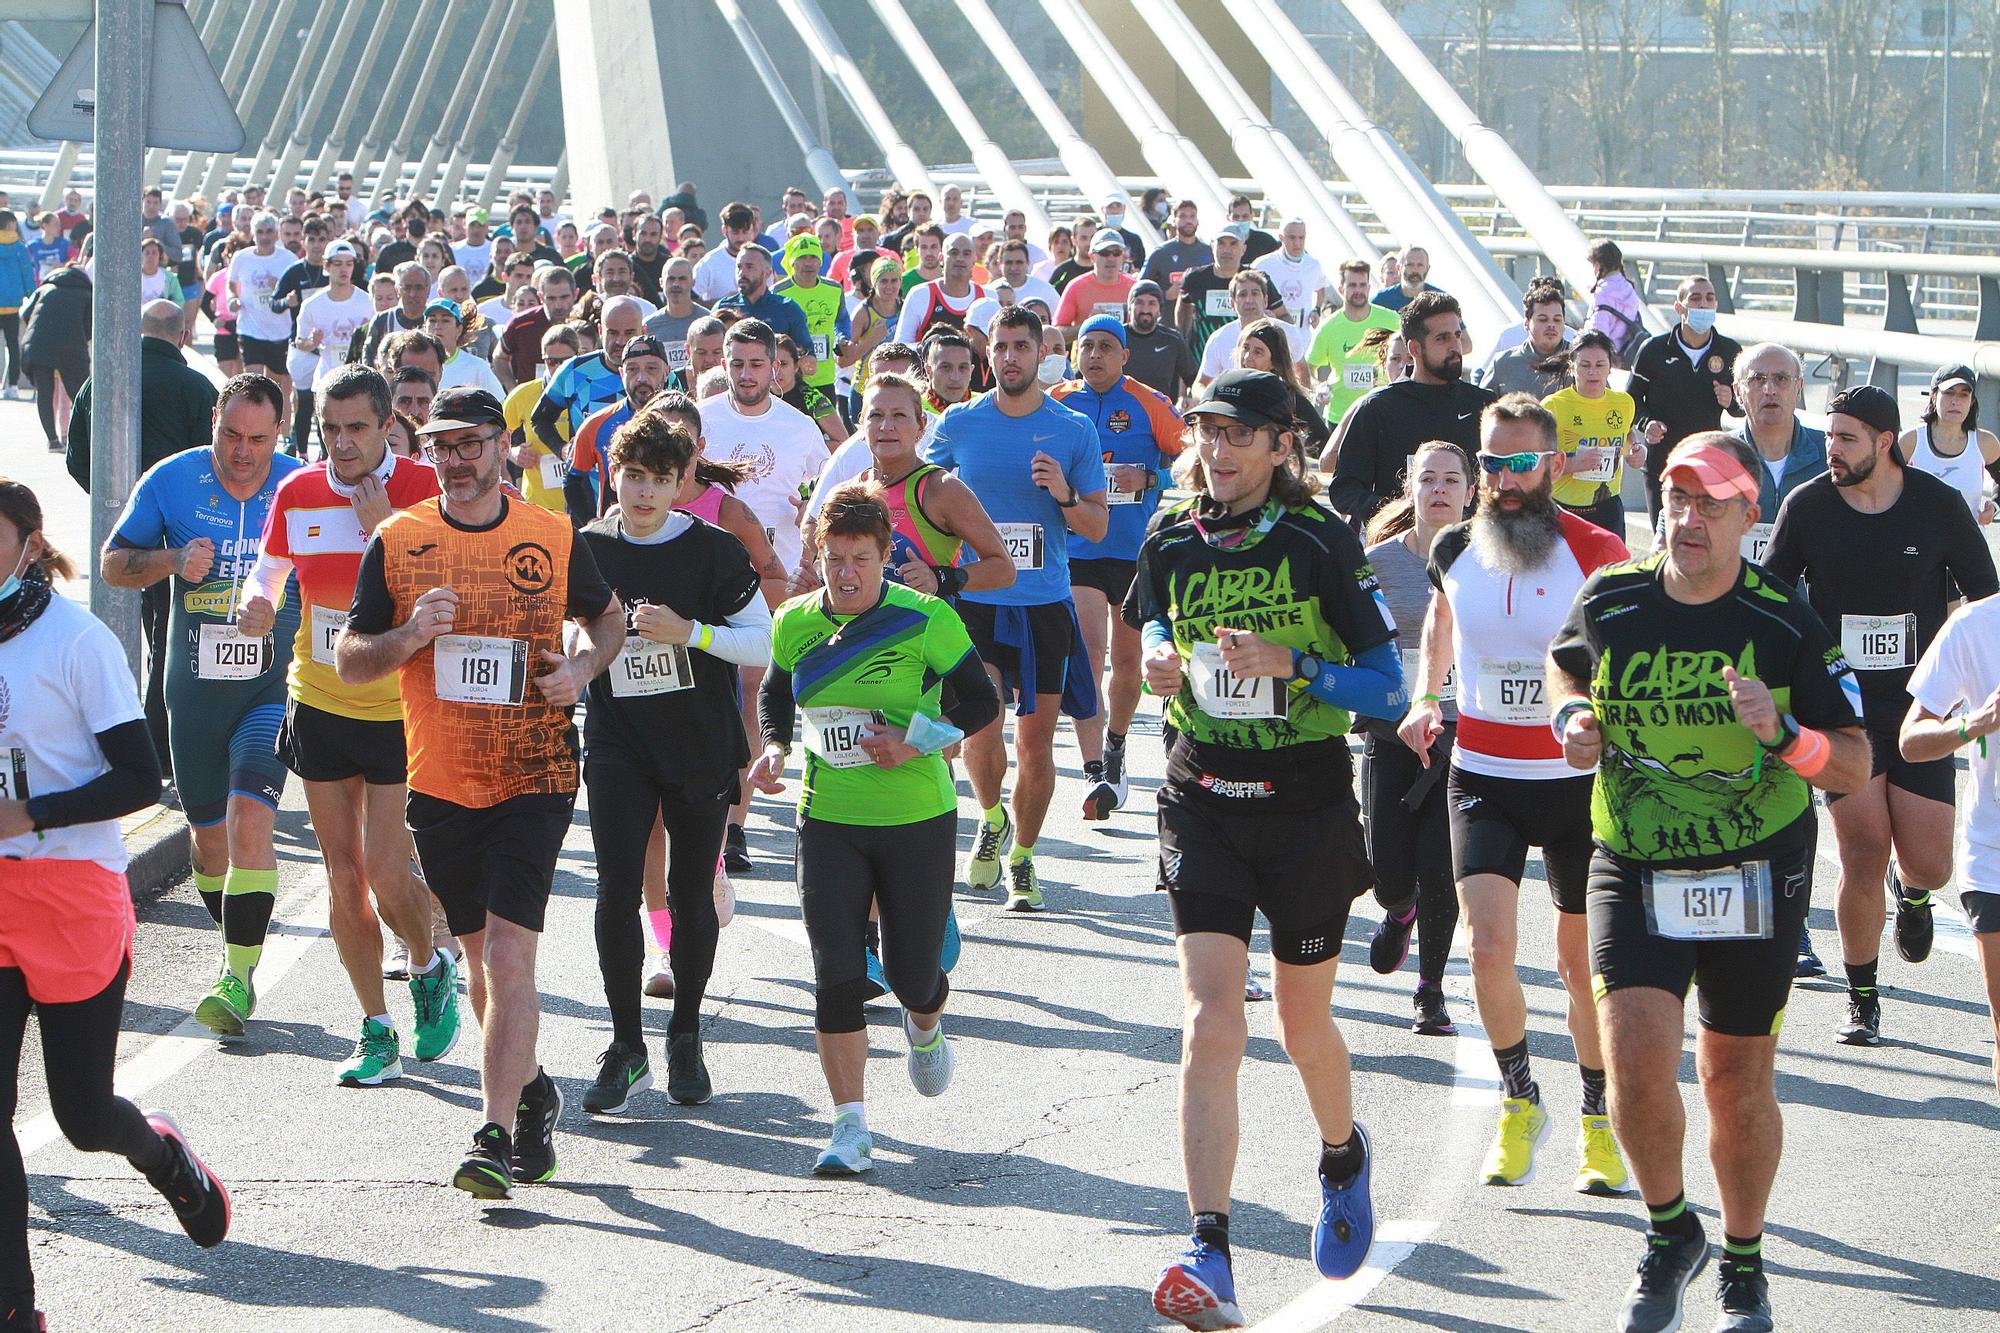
1848, 109
1614, 37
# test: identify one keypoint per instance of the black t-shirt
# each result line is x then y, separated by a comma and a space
690, 736
1209, 293
1161, 359
646, 274
1261, 243
1880, 581
1067, 272
1386, 427
392, 254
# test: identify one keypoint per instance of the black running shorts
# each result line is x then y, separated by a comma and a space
1494, 821
499, 860
325, 747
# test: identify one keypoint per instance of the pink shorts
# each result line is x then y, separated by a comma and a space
67, 925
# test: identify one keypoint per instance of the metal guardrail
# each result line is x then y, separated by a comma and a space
26, 171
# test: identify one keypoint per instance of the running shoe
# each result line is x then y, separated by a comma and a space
736, 851
1914, 927
1100, 798
1745, 1296
1391, 942
1114, 774
876, 977
1346, 1226
377, 1058
1864, 1021
20, 1319
953, 945
661, 984
851, 1152
930, 1065
1024, 890
1254, 990
535, 1117
1433, 1019
488, 1170
227, 1006
196, 1193
724, 893
982, 872
1511, 1159
1600, 1167
687, 1073
1653, 1305
1197, 1290
622, 1071
396, 966
1809, 964
434, 998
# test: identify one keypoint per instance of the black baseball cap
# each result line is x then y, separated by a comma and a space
1872, 407
1946, 376
463, 409
643, 345
1253, 397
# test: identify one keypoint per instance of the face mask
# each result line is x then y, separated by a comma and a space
13, 583
1052, 369
1701, 321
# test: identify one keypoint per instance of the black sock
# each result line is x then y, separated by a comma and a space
1339, 1165
1115, 740
1212, 1230
1515, 1080
1673, 1218
871, 935
1593, 1090
1743, 1254
1861, 978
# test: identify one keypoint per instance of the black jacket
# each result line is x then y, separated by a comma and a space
55, 322
1679, 396
176, 410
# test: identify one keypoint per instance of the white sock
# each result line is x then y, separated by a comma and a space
919, 1036
384, 1020
437, 961
859, 1110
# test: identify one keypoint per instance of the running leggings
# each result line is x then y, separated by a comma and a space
1411, 849
79, 1048
907, 871
10, 331
43, 377
625, 796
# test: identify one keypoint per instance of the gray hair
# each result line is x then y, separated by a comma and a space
1744, 357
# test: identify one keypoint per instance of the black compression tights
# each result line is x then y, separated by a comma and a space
79, 1050
1411, 849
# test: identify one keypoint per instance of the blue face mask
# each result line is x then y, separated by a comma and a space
1700, 320
13, 583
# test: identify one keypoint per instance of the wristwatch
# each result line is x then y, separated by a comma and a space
1070, 503
1788, 732
1306, 667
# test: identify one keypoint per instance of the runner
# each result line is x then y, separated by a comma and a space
1300, 278
589, 381
663, 741
865, 659
1940, 444
1706, 697
1205, 304
1140, 435
1879, 545
1156, 356
1037, 469
588, 488
464, 598
1102, 291
1263, 629
197, 518
1248, 292
80, 758
1504, 581
824, 308
1409, 830
346, 742
945, 300
1598, 436
1336, 354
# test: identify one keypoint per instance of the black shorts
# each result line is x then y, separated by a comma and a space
272, 354
227, 347
501, 859
1982, 910
1052, 628
1742, 985
325, 747
1494, 821
1934, 779
1108, 575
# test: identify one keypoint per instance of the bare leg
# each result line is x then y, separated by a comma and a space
1642, 1051
1213, 1035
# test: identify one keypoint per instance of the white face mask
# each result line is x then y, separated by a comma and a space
1052, 369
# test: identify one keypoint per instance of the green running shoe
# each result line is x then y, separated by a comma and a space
377, 1057
1024, 892
227, 1005
434, 996
989, 844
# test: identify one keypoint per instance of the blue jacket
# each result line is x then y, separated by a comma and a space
1805, 460
17, 271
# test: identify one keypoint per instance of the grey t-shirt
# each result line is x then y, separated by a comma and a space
672, 331
1406, 587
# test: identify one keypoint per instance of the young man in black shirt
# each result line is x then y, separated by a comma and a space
1684, 378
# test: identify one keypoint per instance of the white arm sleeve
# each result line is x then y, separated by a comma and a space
268, 578
745, 637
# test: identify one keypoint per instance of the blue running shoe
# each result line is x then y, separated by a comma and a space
1198, 1290
876, 977
948, 955
1346, 1226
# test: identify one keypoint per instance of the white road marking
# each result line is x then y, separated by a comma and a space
1324, 1302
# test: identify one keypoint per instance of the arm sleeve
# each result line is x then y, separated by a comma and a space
268, 577
776, 715
974, 704
374, 609
589, 594
745, 636
1372, 684
131, 783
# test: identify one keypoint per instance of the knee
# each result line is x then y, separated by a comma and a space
1214, 1034
1925, 867
837, 1008
1490, 948
920, 992
1305, 1031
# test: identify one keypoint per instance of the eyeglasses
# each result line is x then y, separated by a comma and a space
1678, 501
1760, 380
1235, 434
1495, 464
468, 452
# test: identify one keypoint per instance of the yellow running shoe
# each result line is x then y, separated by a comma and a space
1600, 1167
1511, 1159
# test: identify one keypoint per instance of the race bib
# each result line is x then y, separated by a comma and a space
1878, 643
1726, 903
645, 667
1604, 469
1023, 542
1447, 692
819, 346
14, 776
470, 670
1116, 308
1221, 693
552, 471
221, 653
327, 623
1512, 691
1217, 305
1757, 541
677, 355
835, 735
1359, 379
1114, 496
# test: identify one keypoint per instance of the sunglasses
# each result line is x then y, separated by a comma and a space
1495, 464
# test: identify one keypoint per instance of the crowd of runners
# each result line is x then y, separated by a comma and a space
837, 505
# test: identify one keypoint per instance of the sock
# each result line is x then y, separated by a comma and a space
1861, 978
437, 961
210, 889
1406, 916
1593, 1090
859, 1110
1212, 1229
994, 815
1515, 1080
663, 928
1093, 768
537, 1088
871, 935
384, 1020
919, 1036
247, 899
1743, 1255
1023, 851
1339, 1165
146, 1163
1673, 1218
1115, 740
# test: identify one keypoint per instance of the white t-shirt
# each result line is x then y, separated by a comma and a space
1957, 672
849, 461
1220, 353
786, 451
498, 316
62, 680
715, 276
255, 278
465, 369
476, 260
337, 320
962, 227
1298, 282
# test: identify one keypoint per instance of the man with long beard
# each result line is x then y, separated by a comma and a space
1504, 583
